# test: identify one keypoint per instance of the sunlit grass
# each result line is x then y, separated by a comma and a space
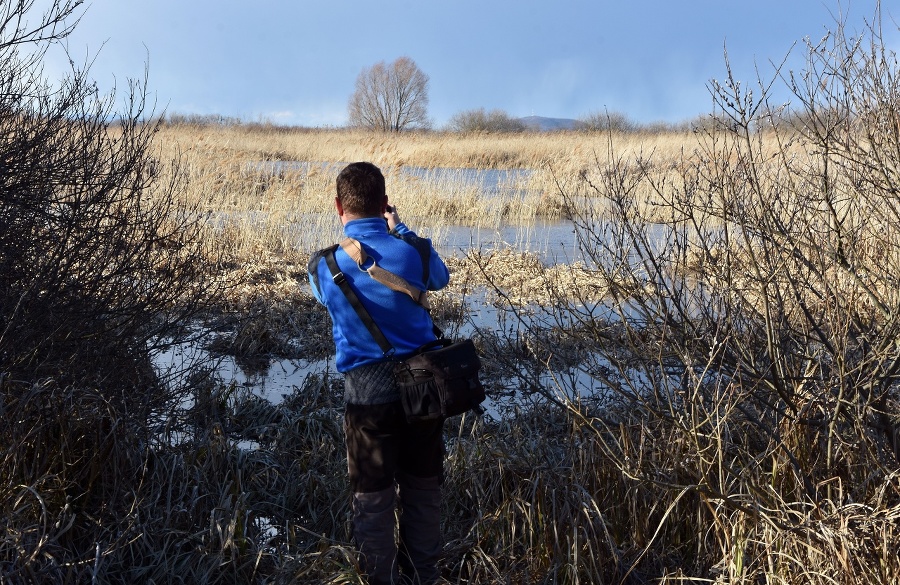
561, 488
263, 204
564, 150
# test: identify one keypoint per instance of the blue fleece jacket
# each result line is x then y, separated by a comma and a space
404, 323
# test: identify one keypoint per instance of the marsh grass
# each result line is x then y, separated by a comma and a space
747, 344
568, 150
259, 207
735, 316
726, 315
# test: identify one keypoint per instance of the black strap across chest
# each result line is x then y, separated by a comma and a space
339, 279
423, 247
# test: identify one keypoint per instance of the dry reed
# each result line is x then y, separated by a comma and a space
710, 396
271, 193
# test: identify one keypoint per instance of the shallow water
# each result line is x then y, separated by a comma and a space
489, 181
274, 379
553, 241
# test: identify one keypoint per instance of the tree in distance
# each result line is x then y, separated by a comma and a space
479, 120
607, 122
391, 97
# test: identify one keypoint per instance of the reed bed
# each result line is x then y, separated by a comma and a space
527, 150
606, 467
563, 484
271, 192
256, 492
708, 396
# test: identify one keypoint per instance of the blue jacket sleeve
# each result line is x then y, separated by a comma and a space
438, 274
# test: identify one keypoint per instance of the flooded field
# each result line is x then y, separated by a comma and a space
487, 181
275, 378
460, 209
523, 249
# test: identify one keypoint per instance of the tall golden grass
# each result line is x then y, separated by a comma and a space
702, 483
710, 396
264, 204
526, 150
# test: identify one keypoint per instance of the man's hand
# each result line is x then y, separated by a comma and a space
390, 214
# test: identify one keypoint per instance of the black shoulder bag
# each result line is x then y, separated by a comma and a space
441, 378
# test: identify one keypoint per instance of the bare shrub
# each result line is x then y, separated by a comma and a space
101, 267
480, 120
200, 120
746, 354
607, 122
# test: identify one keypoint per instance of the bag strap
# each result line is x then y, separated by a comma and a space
313, 266
339, 279
393, 281
355, 250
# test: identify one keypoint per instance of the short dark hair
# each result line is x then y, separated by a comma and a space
360, 189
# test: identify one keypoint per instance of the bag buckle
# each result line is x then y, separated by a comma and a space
339, 278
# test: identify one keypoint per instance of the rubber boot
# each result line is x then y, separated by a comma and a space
420, 529
374, 525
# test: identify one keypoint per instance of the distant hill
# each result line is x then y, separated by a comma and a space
541, 123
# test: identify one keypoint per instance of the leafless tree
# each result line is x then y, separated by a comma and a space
391, 97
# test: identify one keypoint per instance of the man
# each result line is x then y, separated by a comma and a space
386, 456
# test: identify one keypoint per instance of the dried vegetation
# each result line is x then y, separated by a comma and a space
710, 396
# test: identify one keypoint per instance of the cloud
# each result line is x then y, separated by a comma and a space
310, 113
552, 89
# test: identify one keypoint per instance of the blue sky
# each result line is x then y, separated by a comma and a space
296, 62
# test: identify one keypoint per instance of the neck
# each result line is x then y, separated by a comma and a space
347, 216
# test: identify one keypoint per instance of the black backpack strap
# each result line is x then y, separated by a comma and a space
339, 279
313, 266
423, 247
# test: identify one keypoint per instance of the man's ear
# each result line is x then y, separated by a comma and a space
337, 204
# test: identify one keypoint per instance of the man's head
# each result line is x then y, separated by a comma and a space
360, 190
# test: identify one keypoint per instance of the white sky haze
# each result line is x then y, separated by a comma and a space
296, 62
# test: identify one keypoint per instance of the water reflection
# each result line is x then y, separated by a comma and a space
272, 379
489, 182
553, 241
275, 379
